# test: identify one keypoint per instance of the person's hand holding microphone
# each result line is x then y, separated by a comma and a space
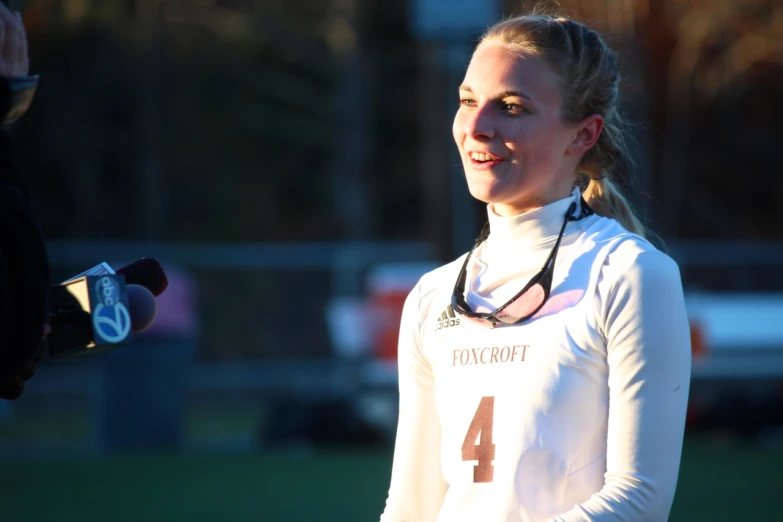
18, 86
14, 61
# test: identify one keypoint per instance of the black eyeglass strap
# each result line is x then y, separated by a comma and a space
483, 235
585, 211
569, 217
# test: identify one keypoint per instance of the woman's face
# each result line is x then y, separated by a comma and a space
517, 152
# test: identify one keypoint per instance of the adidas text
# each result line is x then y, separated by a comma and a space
447, 319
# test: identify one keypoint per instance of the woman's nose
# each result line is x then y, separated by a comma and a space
479, 123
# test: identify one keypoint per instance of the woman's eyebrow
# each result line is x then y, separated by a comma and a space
504, 94
518, 94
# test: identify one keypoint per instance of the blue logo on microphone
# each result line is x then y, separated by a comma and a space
110, 317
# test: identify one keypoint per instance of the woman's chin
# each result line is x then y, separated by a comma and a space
487, 191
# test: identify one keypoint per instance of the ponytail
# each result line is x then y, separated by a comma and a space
607, 200
608, 160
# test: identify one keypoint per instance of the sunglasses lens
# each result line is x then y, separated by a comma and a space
524, 305
481, 309
479, 320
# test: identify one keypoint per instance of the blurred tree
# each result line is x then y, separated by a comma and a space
726, 59
352, 200
180, 120
707, 77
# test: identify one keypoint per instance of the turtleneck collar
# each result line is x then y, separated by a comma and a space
532, 227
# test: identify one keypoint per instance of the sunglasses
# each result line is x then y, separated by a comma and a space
528, 301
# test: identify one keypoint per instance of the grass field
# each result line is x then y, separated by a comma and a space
719, 481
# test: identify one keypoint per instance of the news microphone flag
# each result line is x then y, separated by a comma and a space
100, 269
90, 313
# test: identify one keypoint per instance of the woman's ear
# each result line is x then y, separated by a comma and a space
587, 133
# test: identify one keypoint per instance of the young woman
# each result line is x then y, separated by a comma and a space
544, 375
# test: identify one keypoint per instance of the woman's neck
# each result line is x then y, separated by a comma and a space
531, 227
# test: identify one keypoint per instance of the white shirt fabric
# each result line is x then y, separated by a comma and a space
584, 403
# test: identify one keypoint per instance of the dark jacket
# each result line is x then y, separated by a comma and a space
24, 269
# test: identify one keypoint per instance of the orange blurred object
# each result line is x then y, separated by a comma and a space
387, 308
388, 287
698, 345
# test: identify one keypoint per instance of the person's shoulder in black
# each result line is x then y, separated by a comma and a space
24, 268
24, 279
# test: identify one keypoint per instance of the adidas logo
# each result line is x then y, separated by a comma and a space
447, 318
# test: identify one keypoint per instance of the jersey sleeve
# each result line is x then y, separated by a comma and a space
417, 486
642, 309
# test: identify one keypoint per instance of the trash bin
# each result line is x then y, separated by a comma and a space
144, 399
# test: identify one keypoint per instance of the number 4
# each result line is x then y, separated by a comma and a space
484, 451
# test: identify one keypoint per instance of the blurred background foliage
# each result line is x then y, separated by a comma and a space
272, 120
215, 121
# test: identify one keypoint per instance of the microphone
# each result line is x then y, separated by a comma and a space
92, 313
146, 272
142, 306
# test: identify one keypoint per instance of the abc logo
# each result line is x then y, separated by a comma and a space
110, 317
108, 291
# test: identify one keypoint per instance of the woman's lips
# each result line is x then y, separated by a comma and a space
484, 165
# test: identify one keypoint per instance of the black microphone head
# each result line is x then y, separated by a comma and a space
146, 272
142, 307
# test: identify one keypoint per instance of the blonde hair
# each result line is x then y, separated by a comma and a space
590, 83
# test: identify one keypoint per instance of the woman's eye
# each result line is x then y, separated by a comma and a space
513, 107
467, 102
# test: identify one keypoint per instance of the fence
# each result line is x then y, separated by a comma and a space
314, 276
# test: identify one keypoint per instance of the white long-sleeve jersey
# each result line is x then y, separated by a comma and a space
574, 415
